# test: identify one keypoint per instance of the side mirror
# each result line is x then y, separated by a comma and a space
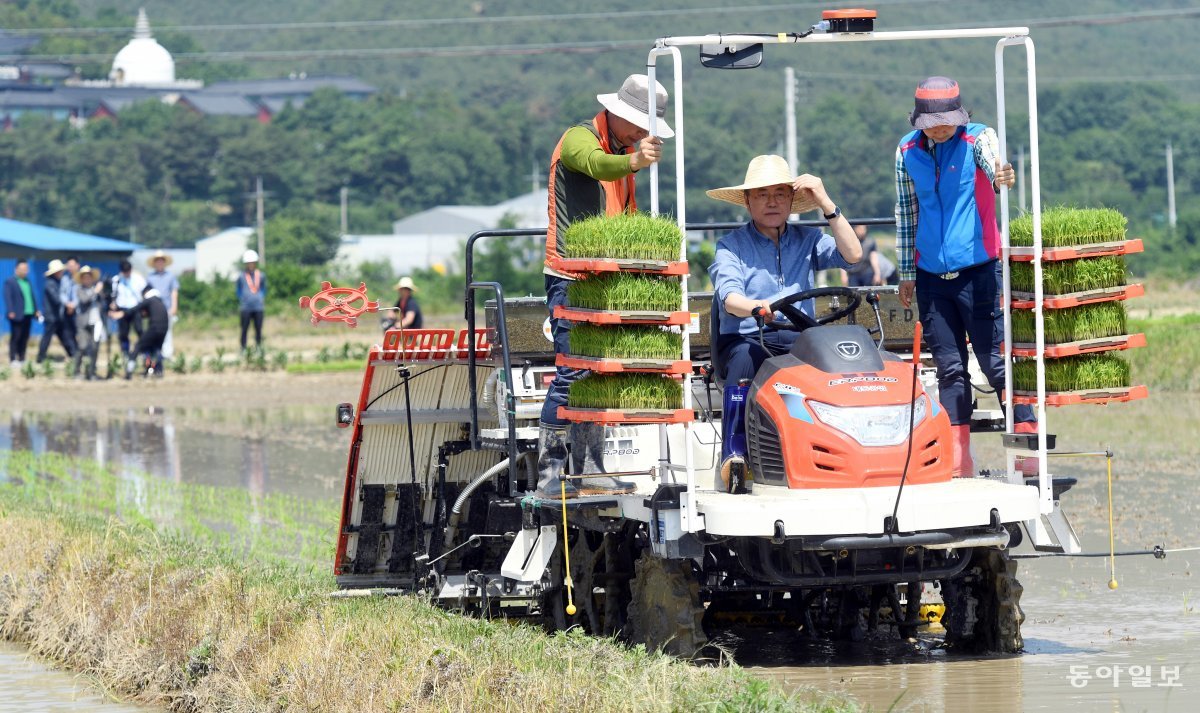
731, 56
345, 415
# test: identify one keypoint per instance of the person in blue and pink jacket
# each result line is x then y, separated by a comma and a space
948, 172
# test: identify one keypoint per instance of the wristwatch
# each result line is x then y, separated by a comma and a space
836, 212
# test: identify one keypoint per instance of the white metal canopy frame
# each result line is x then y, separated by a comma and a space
692, 521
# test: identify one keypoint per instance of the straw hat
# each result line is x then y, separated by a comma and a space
632, 103
249, 256
159, 254
86, 270
763, 171
937, 103
55, 265
406, 282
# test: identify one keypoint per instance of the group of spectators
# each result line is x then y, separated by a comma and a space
81, 309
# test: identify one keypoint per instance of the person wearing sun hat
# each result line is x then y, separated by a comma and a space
948, 171
55, 313
89, 320
408, 312
591, 173
766, 259
167, 286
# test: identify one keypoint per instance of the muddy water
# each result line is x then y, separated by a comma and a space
1074, 623
27, 686
292, 450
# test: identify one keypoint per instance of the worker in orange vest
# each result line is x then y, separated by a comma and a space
591, 173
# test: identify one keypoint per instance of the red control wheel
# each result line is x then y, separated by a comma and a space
339, 304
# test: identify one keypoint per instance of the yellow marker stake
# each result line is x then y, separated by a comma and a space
1112, 554
562, 486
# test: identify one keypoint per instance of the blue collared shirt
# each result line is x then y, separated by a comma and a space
749, 263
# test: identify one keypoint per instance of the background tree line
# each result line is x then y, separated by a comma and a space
469, 130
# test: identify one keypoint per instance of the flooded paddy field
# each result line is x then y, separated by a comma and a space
28, 686
1087, 648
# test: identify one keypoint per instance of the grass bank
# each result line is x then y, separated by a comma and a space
238, 622
1169, 360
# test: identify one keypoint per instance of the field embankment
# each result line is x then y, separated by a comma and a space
173, 620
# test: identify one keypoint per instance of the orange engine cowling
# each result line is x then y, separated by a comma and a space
808, 427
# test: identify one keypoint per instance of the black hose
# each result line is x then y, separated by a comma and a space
894, 527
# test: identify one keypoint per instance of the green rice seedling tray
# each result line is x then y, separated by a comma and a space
1084, 323
1075, 252
619, 416
598, 316
1067, 276
1086, 346
609, 342
1066, 225
622, 366
1025, 300
595, 264
636, 236
1088, 396
615, 291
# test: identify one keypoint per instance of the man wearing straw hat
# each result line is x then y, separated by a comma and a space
407, 314
948, 171
55, 313
89, 320
766, 259
167, 287
591, 173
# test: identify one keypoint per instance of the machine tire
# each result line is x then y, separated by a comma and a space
983, 605
665, 612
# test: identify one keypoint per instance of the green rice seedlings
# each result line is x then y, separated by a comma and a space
620, 342
625, 291
1075, 373
625, 236
1073, 324
1063, 277
626, 392
1064, 225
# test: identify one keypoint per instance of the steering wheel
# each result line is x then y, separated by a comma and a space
801, 321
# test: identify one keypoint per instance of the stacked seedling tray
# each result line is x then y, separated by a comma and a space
1084, 289
629, 296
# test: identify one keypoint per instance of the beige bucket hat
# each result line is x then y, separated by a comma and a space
159, 254
763, 171
632, 103
86, 270
406, 282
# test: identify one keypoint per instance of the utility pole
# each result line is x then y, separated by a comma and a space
789, 101
258, 198
1170, 187
345, 195
534, 175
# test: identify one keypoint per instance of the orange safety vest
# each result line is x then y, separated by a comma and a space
619, 195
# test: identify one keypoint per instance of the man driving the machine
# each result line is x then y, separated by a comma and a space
766, 259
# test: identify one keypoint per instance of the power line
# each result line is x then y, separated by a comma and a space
470, 20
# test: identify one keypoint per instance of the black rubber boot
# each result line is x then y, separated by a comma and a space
587, 458
552, 461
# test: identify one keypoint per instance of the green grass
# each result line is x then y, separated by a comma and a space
628, 235
1168, 361
1066, 276
1106, 319
1064, 225
625, 291
323, 367
92, 579
1077, 373
626, 391
625, 342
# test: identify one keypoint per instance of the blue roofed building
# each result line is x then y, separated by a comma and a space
39, 244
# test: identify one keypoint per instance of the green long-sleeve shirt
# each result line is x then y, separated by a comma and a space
582, 153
